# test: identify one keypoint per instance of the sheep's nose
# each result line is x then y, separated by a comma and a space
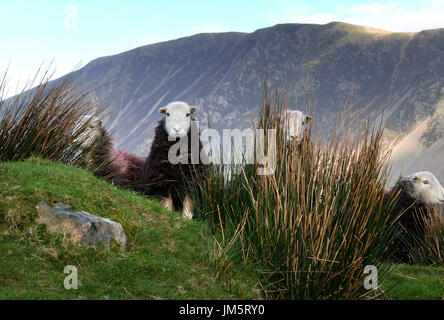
176, 129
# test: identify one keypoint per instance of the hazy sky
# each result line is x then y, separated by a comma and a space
78, 31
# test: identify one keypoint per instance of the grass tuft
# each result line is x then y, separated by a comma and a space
43, 121
315, 223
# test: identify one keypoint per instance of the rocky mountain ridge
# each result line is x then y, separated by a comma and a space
340, 67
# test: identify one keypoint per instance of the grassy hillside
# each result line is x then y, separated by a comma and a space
415, 283
166, 257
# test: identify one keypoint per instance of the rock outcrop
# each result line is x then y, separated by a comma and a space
84, 228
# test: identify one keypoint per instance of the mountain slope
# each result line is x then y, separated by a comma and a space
400, 75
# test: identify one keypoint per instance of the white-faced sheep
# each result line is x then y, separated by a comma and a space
295, 125
418, 194
122, 168
165, 180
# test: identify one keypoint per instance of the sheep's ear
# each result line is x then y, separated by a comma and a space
307, 119
193, 109
163, 110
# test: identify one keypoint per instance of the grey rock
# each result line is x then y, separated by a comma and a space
83, 227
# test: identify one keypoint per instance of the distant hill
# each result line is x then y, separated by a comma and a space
411, 153
343, 65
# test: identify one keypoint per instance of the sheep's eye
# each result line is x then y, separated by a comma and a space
426, 182
188, 114
167, 114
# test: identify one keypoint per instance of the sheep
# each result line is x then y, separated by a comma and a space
90, 127
167, 181
295, 125
97, 146
418, 194
131, 173
123, 169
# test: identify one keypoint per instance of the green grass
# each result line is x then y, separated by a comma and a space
167, 257
415, 282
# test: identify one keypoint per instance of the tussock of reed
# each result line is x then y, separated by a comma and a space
43, 121
318, 220
430, 250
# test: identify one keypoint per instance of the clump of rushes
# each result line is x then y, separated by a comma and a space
43, 121
318, 221
430, 250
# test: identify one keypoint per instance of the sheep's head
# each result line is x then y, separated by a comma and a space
91, 127
177, 118
296, 122
425, 187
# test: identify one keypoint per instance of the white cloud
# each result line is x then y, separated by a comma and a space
396, 17
392, 15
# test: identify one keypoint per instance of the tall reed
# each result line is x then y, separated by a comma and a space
318, 220
43, 121
430, 250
